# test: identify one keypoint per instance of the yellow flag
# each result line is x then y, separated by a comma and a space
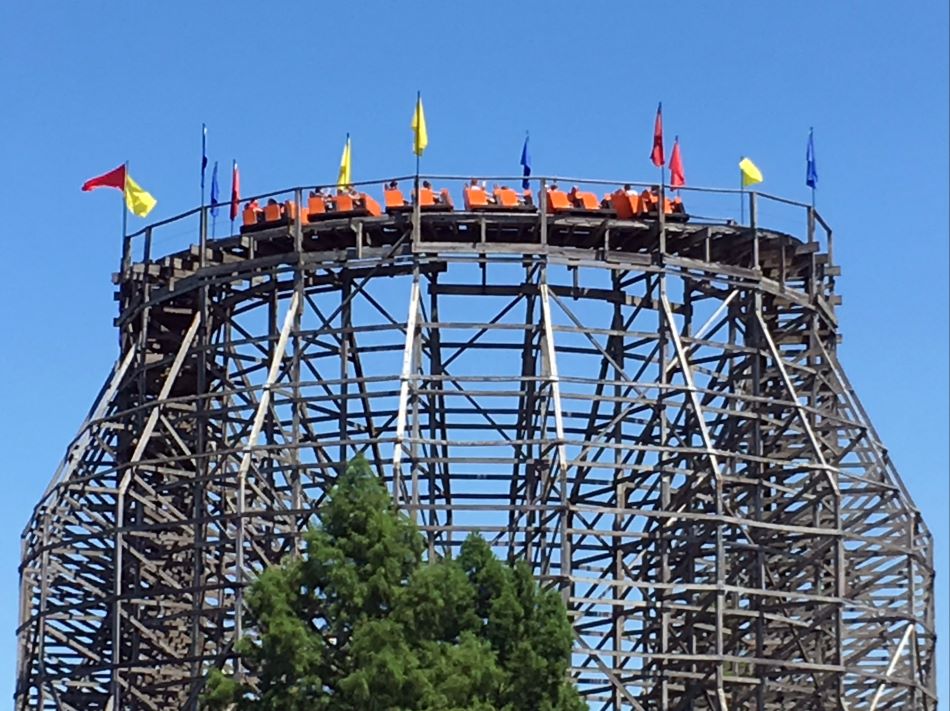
345, 176
140, 202
750, 173
420, 135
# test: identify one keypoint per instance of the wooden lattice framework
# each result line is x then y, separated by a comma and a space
652, 414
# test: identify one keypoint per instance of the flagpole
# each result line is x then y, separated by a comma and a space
233, 166
741, 196
217, 204
418, 101
202, 217
811, 171
416, 198
658, 139
417, 207
660, 214
125, 212
524, 178
662, 204
204, 136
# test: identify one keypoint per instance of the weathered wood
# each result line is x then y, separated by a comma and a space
666, 436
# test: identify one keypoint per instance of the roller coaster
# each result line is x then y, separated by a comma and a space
643, 403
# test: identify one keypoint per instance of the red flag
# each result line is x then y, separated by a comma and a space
657, 155
235, 190
112, 179
677, 175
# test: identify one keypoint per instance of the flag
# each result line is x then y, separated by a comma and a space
140, 202
525, 163
750, 172
419, 132
811, 170
214, 190
657, 154
677, 174
346, 166
112, 179
204, 158
235, 190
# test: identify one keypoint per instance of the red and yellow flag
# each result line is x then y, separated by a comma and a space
140, 202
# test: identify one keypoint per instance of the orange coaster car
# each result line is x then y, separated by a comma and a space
394, 201
274, 214
476, 198
577, 202
501, 199
626, 204
431, 201
673, 210
508, 199
558, 201
344, 204
583, 200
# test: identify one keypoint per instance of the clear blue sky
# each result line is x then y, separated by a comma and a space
90, 84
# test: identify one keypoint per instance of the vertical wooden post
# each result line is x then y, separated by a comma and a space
147, 250
753, 218
661, 218
203, 236
126, 261
416, 214
543, 200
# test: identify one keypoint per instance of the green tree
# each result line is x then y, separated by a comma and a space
362, 623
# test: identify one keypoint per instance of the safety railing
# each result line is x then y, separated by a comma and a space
704, 205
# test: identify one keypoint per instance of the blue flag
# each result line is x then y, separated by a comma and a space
811, 170
525, 164
214, 190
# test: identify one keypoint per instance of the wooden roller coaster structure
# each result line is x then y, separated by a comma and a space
651, 412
